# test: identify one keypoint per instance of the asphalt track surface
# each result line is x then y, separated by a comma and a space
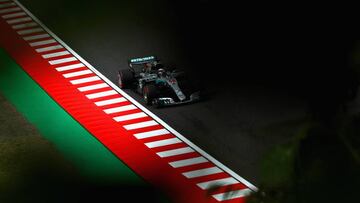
106, 34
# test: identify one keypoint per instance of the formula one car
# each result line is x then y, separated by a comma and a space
158, 85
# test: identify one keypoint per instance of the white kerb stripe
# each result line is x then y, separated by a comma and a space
217, 183
64, 60
110, 101
33, 37
19, 20
39, 43
188, 162
232, 194
152, 133
29, 31
70, 67
25, 25
7, 5
14, 15
130, 117
101, 94
50, 48
202, 172
120, 109
78, 73
93, 87
56, 54
175, 152
8, 10
140, 125
163, 142
85, 80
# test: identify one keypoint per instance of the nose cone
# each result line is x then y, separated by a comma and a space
181, 95
174, 85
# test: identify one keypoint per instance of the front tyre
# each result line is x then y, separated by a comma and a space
149, 93
156, 103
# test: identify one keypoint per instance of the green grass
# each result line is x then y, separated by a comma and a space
32, 169
70, 138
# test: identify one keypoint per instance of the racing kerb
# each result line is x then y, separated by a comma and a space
149, 146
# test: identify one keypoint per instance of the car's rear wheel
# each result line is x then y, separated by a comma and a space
149, 93
125, 78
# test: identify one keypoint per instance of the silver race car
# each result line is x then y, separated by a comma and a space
158, 85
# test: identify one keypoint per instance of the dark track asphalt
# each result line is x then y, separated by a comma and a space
107, 33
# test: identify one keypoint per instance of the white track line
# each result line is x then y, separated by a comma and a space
93, 87
19, 20
152, 133
85, 80
101, 94
130, 117
30, 31
56, 54
8, 10
202, 172
110, 101
175, 152
128, 97
120, 109
39, 43
161, 143
50, 48
63, 60
140, 125
188, 162
232, 194
14, 15
25, 25
217, 183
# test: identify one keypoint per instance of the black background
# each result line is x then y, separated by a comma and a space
296, 48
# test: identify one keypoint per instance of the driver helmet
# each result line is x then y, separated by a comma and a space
155, 63
161, 72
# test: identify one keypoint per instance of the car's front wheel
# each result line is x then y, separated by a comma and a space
156, 103
149, 93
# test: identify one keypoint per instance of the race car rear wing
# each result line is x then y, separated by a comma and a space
142, 60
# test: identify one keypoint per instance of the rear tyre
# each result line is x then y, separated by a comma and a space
149, 93
125, 78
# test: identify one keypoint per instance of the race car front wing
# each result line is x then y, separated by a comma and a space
168, 101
